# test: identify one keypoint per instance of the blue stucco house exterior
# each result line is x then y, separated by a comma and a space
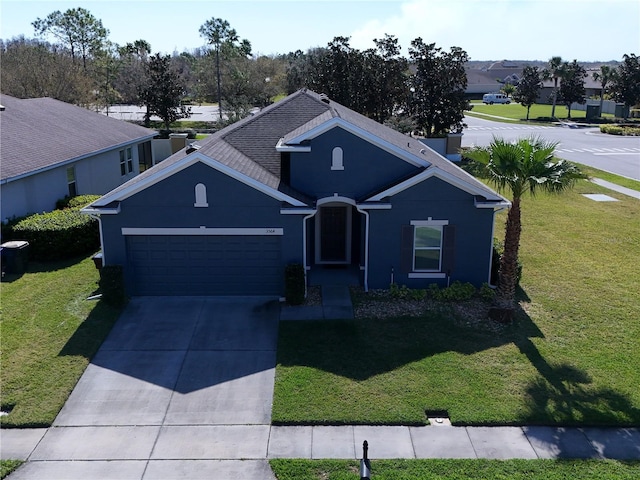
305, 180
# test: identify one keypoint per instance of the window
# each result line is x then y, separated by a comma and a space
427, 248
126, 161
71, 181
337, 159
144, 156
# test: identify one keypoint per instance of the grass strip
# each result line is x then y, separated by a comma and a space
457, 469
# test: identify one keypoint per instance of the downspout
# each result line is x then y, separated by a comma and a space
493, 228
366, 248
97, 217
304, 248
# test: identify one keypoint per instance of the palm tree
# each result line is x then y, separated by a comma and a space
554, 70
528, 164
604, 76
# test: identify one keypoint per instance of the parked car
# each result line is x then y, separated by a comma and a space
491, 98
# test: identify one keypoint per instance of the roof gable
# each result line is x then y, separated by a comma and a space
132, 187
41, 133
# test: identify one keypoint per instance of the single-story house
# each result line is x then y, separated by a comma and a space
51, 149
306, 180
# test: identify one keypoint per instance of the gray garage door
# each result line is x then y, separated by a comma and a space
205, 265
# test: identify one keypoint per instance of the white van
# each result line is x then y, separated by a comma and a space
491, 98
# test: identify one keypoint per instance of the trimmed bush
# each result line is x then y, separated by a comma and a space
58, 234
112, 285
620, 130
294, 283
80, 201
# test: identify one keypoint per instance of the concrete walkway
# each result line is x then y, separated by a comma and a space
336, 305
616, 188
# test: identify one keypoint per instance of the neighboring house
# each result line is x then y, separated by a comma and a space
50, 149
592, 88
305, 180
492, 79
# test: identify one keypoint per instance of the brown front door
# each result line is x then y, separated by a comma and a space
333, 234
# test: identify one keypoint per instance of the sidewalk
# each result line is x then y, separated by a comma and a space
260, 442
616, 188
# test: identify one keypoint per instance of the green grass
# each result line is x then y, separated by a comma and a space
49, 334
571, 357
8, 466
457, 469
515, 111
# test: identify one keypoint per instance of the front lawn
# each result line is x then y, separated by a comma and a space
50, 331
571, 358
456, 469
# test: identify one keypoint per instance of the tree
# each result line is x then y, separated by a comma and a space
517, 167
105, 67
386, 67
163, 92
437, 87
528, 88
225, 41
572, 85
604, 76
77, 29
554, 71
131, 75
33, 68
508, 89
626, 83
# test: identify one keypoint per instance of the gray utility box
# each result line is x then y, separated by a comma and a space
15, 256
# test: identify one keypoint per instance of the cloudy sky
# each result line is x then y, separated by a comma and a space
587, 30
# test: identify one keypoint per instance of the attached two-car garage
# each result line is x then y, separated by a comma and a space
204, 261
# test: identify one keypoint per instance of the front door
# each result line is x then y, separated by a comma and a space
334, 237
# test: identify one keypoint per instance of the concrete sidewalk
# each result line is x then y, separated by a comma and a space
137, 451
616, 188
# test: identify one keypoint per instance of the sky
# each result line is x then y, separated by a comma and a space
586, 30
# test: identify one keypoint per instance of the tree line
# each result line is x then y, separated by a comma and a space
72, 59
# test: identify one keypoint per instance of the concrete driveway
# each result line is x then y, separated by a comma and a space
178, 378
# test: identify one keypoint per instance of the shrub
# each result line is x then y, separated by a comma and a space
78, 202
620, 130
58, 234
487, 292
294, 283
112, 285
456, 292
404, 292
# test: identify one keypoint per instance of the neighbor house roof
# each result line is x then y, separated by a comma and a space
41, 133
249, 146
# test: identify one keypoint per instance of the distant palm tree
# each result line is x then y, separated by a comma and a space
604, 76
554, 71
525, 165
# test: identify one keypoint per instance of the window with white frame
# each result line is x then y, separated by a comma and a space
126, 161
428, 248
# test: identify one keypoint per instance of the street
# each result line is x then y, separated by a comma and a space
611, 153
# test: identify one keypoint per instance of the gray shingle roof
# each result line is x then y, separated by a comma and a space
249, 146
38, 133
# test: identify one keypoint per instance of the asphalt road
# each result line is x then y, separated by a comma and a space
611, 153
